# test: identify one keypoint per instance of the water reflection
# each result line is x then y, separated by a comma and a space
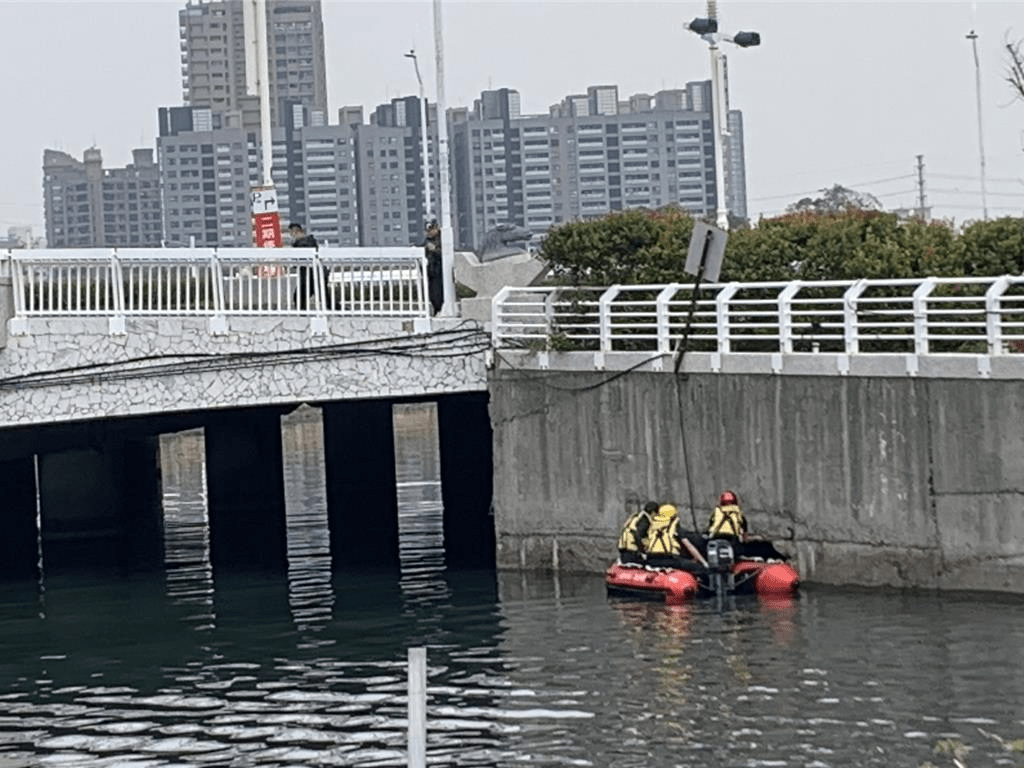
186, 525
310, 593
420, 506
518, 673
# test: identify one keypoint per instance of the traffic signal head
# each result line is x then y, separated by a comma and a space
746, 39
703, 26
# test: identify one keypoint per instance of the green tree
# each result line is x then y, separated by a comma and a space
636, 246
992, 248
651, 246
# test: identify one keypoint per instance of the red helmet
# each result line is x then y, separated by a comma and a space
728, 497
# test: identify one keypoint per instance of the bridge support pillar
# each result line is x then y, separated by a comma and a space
78, 501
362, 500
466, 480
246, 489
19, 547
100, 507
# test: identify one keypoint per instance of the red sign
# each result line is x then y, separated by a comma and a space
267, 229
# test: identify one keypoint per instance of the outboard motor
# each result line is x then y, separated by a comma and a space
720, 561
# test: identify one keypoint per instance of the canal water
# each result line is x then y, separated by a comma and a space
308, 667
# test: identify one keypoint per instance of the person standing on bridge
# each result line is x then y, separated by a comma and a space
301, 240
432, 252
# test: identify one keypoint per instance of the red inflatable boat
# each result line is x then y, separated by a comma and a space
716, 574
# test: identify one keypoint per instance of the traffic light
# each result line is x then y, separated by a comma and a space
746, 39
703, 26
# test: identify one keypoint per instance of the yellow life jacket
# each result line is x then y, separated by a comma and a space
634, 532
662, 536
725, 521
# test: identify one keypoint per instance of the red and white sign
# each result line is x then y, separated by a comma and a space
266, 221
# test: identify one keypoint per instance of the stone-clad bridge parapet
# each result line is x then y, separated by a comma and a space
96, 334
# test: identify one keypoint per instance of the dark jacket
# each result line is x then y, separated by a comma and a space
306, 241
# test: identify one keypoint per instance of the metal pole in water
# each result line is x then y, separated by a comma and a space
417, 707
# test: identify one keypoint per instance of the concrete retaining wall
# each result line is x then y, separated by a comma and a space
908, 482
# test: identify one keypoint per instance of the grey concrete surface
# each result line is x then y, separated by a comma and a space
907, 482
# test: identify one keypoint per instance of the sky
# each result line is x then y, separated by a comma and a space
838, 92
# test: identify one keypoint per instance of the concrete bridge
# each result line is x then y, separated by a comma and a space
105, 334
873, 426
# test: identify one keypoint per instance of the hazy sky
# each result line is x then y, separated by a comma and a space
838, 92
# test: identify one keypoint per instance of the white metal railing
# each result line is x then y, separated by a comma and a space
970, 315
385, 282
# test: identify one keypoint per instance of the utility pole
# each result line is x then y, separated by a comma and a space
973, 37
922, 210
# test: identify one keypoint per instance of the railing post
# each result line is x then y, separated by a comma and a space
722, 316
497, 315
549, 312
8, 298
117, 324
318, 323
219, 321
851, 335
604, 316
417, 707
664, 320
994, 316
786, 316
424, 306
921, 294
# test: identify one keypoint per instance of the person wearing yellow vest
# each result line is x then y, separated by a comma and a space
727, 521
662, 545
633, 538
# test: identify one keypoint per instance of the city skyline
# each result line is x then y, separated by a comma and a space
879, 86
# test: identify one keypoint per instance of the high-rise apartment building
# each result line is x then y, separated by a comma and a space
213, 59
590, 155
330, 202
89, 206
206, 171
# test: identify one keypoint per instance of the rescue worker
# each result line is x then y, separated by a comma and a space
727, 521
663, 547
634, 535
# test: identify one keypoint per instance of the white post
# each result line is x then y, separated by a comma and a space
417, 707
721, 209
263, 83
445, 210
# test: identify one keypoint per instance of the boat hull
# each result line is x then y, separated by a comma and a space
676, 585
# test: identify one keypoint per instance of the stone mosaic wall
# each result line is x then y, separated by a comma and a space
70, 369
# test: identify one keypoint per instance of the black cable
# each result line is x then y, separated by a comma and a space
441, 344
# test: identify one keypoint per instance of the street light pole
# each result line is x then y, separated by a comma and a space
707, 28
445, 214
427, 207
721, 208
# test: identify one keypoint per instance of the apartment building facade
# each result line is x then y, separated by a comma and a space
591, 155
206, 172
216, 66
89, 206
